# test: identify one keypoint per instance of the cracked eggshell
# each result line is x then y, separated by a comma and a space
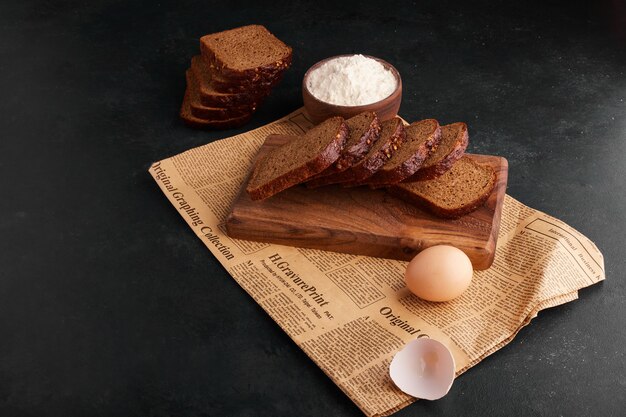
424, 369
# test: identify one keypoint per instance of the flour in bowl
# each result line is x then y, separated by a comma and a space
353, 80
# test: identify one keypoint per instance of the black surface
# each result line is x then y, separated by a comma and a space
110, 306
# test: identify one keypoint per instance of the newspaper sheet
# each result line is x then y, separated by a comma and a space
350, 314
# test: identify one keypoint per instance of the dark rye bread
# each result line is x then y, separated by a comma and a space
421, 138
235, 72
266, 73
261, 86
187, 116
459, 191
364, 131
391, 137
298, 160
454, 140
246, 52
210, 112
212, 96
257, 85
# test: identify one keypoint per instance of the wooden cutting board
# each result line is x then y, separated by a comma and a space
368, 222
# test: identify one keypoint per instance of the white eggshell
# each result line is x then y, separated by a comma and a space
424, 369
439, 273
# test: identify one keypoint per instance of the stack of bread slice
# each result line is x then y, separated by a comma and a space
235, 71
422, 163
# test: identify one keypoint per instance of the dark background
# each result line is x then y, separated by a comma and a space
110, 306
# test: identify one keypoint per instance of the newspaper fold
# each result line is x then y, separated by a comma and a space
350, 314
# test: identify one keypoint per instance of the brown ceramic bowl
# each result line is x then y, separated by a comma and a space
319, 110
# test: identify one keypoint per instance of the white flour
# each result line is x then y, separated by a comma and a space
351, 81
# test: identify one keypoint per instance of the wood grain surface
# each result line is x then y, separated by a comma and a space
368, 222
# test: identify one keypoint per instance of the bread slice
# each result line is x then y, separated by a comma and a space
391, 137
364, 131
262, 86
247, 52
298, 160
265, 73
257, 85
421, 138
454, 140
212, 96
459, 191
211, 112
187, 116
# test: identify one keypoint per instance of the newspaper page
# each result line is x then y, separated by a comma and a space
350, 314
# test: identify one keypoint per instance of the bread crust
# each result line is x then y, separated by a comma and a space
456, 152
410, 165
301, 173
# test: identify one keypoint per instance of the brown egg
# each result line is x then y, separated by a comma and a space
439, 273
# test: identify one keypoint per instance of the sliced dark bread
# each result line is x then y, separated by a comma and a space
211, 112
212, 96
421, 138
459, 191
246, 52
260, 87
391, 137
187, 116
298, 160
364, 131
454, 140
256, 85
266, 73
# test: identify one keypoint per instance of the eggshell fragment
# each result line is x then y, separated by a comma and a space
439, 273
424, 369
